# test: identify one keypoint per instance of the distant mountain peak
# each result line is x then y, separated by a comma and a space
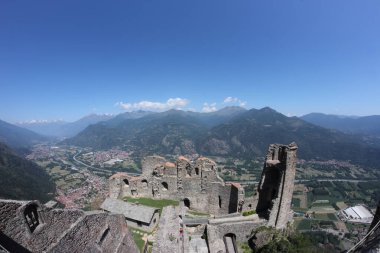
367, 125
319, 114
267, 109
17, 137
96, 116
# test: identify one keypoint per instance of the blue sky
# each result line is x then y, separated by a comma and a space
66, 59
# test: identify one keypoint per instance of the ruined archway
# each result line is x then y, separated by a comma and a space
186, 202
126, 182
230, 243
165, 186
144, 183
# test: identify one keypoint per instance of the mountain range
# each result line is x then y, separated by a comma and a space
173, 131
64, 129
367, 125
17, 137
232, 131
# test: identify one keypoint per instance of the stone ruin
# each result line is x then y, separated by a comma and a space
196, 184
200, 188
272, 203
28, 226
277, 184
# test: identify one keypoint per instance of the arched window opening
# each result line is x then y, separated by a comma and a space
220, 202
144, 183
126, 182
31, 217
197, 171
186, 202
165, 186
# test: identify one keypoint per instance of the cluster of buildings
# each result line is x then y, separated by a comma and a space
105, 158
81, 195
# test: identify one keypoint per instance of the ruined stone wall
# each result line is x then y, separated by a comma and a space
102, 226
221, 199
7, 211
56, 221
168, 186
149, 164
197, 182
287, 188
41, 229
216, 233
51, 224
276, 186
167, 237
116, 185
13, 223
250, 203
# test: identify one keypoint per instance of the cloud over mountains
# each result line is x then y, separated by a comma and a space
171, 103
177, 103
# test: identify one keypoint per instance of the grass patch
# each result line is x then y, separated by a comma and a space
157, 203
321, 205
325, 216
300, 210
247, 213
332, 216
137, 237
58, 170
304, 224
197, 213
245, 248
296, 202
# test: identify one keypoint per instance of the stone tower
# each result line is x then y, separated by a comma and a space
276, 186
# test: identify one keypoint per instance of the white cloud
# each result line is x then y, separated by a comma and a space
39, 121
230, 100
171, 103
209, 107
243, 103
235, 101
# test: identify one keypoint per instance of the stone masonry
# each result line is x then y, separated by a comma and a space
197, 184
276, 186
28, 226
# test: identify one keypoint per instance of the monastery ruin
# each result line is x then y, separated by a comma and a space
196, 184
198, 187
28, 226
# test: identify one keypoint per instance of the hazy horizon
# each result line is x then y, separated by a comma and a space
44, 121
